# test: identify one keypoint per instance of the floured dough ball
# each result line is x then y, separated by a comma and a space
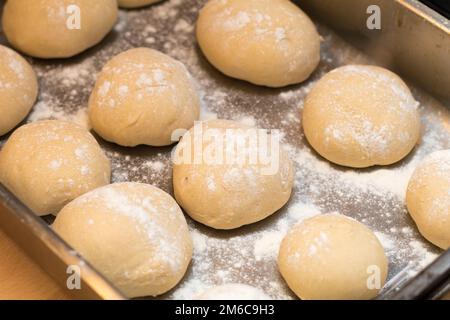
360, 116
47, 164
428, 198
225, 179
266, 42
57, 28
134, 234
18, 89
141, 97
234, 291
136, 3
332, 257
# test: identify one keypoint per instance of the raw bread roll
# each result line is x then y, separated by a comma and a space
360, 116
234, 291
428, 198
47, 164
224, 184
332, 257
141, 97
133, 233
266, 42
48, 28
18, 89
136, 3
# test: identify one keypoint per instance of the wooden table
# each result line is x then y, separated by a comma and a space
21, 278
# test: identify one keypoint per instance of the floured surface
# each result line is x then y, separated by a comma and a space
129, 200
374, 196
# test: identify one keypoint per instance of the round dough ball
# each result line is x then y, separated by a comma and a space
266, 42
332, 257
361, 116
136, 3
47, 164
18, 89
47, 28
234, 291
225, 189
141, 97
134, 234
428, 198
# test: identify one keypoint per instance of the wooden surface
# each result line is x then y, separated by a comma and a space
21, 278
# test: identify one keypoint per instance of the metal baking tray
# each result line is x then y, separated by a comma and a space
414, 41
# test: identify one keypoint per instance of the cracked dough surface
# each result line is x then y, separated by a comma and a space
360, 116
332, 256
227, 194
40, 29
134, 233
428, 198
143, 96
18, 89
47, 164
266, 42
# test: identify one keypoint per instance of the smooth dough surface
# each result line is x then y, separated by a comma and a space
18, 89
428, 198
134, 234
234, 291
141, 97
40, 28
266, 42
136, 3
360, 116
47, 164
226, 194
331, 257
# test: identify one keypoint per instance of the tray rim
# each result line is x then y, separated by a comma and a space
12, 209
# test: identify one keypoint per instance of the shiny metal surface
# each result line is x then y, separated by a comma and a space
414, 40
49, 250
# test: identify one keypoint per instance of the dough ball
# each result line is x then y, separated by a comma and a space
222, 181
332, 257
47, 164
428, 198
266, 42
136, 3
134, 234
141, 97
53, 29
18, 89
361, 116
234, 291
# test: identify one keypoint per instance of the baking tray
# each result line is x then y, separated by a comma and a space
374, 196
